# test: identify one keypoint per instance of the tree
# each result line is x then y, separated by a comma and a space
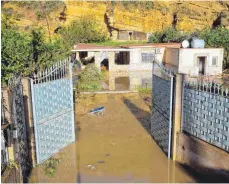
83, 30
16, 52
23, 54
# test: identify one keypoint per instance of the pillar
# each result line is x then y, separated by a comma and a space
27, 97
97, 56
111, 60
177, 113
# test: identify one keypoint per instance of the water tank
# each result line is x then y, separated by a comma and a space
185, 44
197, 43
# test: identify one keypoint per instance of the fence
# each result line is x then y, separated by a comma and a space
14, 129
206, 113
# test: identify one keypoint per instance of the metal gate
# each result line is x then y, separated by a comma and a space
162, 101
53, 111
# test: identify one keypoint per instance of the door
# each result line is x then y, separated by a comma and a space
201, 61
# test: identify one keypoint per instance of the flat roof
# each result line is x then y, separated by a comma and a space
86, 46
154, 45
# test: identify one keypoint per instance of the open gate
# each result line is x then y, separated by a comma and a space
162, 103
53, 111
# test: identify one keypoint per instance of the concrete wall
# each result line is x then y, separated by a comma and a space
136, 60
202, 156
188, 63
172, 56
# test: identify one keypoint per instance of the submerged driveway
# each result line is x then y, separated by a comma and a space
114, 148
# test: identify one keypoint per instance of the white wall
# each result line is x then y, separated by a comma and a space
188, 63
136, 59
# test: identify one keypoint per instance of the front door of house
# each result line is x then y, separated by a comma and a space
201, 61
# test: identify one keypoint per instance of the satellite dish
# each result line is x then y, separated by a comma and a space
185, 44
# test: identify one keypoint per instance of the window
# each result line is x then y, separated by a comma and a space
147, 57
122, 58
214, 60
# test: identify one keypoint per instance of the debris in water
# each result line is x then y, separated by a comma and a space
97, 111
91, 167
107, 154
101, 161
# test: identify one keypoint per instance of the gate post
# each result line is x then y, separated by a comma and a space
8, 101
177, 113
27, 97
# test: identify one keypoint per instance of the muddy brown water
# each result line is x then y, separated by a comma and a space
114, 148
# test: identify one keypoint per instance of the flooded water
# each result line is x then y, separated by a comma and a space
127, 80
113, 148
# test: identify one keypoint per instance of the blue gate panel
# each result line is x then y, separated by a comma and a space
53, 113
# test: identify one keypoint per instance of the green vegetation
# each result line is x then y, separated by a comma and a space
90, 79
167, 36
218, 37
142, 90
142, 5
84, 30
119, 43
25, 53
51, 165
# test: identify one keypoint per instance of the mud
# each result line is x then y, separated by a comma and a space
117, 145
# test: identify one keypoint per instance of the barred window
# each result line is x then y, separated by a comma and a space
214, 60
147, 57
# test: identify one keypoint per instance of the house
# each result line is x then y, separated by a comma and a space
196, 61
135, 60
131, 35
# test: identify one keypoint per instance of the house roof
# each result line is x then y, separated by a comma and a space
94, 47
171, 45
86, 46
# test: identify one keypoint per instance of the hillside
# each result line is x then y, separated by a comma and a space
140, 16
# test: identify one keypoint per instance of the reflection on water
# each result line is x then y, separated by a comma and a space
128, 80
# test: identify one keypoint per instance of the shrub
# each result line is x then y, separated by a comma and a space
90, 79
142, 90
168, 35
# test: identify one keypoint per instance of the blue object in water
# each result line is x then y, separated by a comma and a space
97, 111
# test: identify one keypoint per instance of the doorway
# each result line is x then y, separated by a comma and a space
201, 62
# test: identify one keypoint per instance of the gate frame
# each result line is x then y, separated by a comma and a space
169, 74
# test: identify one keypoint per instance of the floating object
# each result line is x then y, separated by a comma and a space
185, 44
91, 167
197, 43
101, 161
97, 111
